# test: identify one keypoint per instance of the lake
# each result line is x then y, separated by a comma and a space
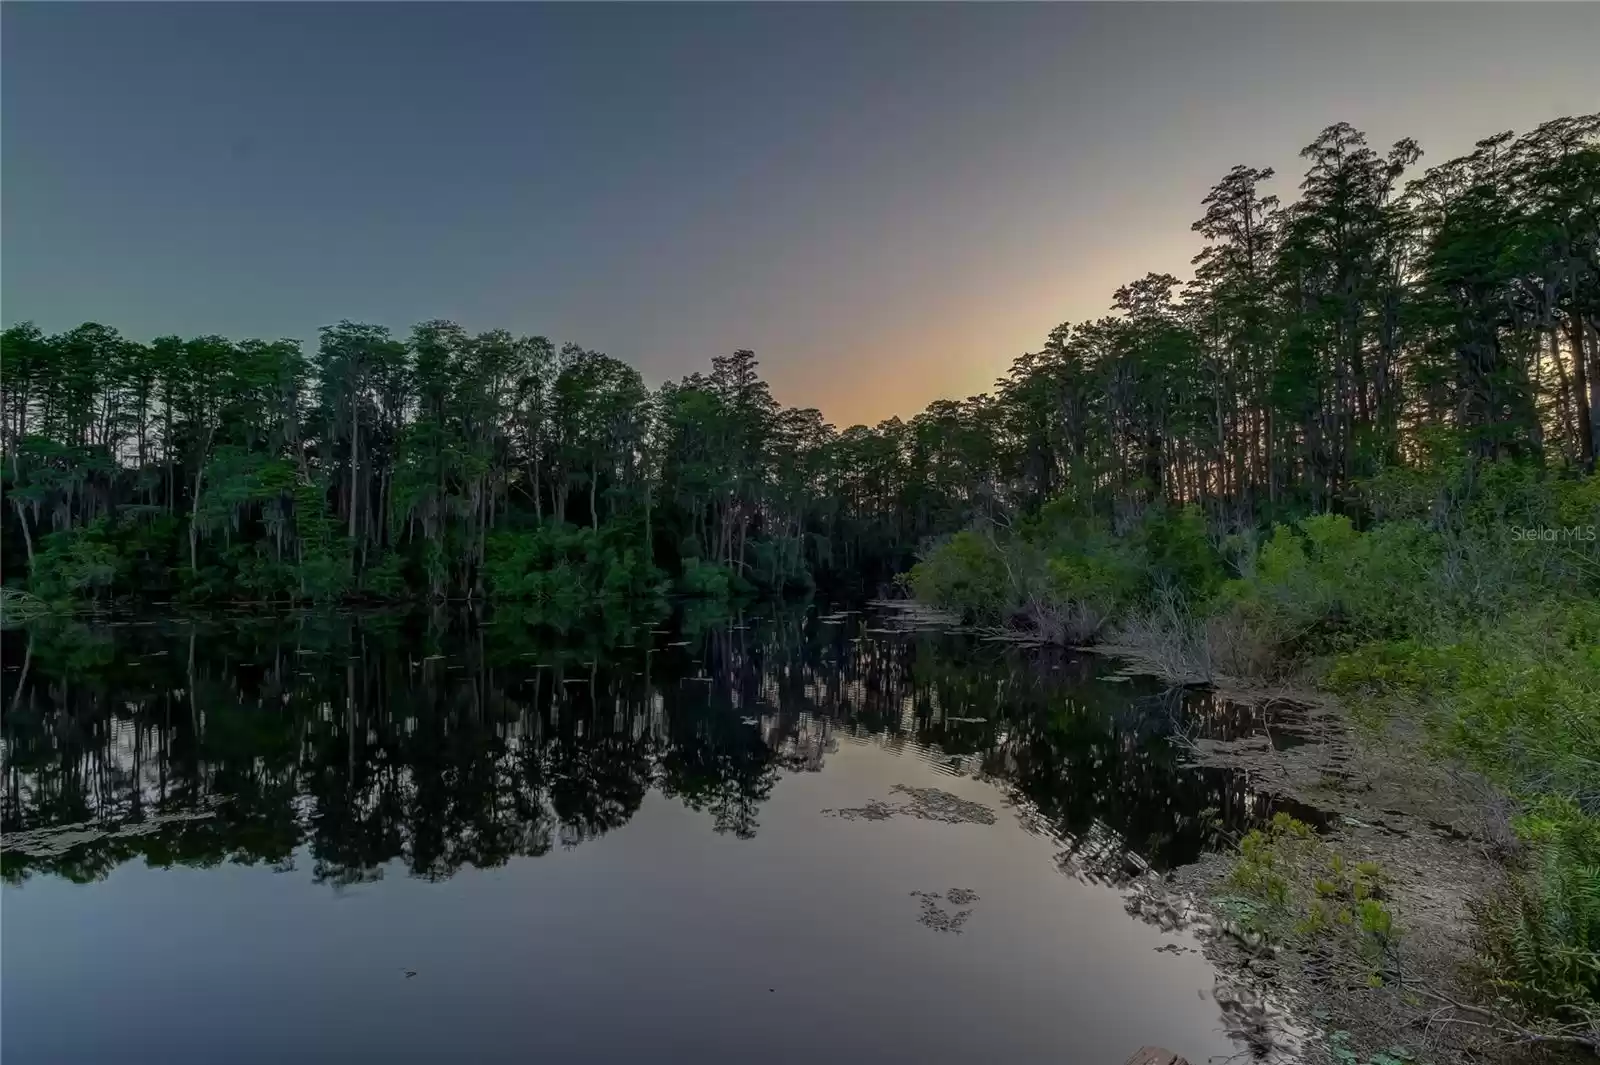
786, 836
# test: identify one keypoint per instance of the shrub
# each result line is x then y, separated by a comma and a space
567, 569
1321, 584
1520, 701
1103, 578
1539, 937
385, 577
966, 573
1177, 552
709, 580
80, 561
322, 576
1304, 893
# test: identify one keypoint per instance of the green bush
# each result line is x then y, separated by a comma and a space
1298, 890
966, 573
568, 569
1540, 935
1107, 579
384, 576
1520, 698
1064, 560
1177, 552
1322, 585
322, 576
78, 562
710, 580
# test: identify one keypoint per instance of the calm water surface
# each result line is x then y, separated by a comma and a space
795, 836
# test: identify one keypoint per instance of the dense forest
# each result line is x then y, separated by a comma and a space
1383, 315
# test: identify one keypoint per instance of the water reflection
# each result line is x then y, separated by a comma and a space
457, 738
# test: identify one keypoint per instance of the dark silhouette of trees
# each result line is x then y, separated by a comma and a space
1318, 342
360, 746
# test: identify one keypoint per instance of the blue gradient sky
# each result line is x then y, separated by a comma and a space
886, 202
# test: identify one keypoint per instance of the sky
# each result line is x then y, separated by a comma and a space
888, 203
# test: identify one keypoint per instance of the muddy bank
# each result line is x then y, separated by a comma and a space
1438, 832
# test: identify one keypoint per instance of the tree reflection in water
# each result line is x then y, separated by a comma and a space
456, 738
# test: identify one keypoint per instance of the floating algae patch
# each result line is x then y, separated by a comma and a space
938, 918
931, 804
59, 840
928, 804
874, 810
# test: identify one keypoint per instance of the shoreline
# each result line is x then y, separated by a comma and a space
1440, 833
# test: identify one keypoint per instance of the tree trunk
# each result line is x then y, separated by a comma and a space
194, 707
166, 455
355, 466
1588, 394
1594, 390
22, 682
27, 537
538, 497
1566, 417
194, 508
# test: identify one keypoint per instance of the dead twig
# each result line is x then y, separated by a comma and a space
1585, 1035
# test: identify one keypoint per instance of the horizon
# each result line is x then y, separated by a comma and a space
828, 187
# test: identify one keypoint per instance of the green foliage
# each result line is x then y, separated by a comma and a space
384, 577
322, 577
1063, 560
1539, 936
709, 580
74, 562
1320, 584
1176, 551
1520, 699
567, 569
1108, 578
1304, 893
1516, 693
967, 573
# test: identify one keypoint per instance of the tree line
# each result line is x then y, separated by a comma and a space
1383, 314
